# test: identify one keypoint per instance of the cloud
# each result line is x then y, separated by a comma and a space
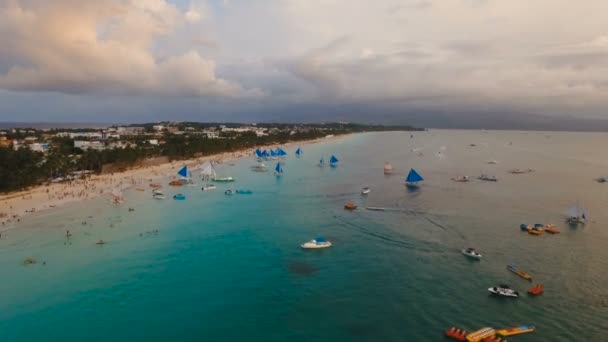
102, 46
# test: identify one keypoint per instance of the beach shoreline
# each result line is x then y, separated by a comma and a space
16, 206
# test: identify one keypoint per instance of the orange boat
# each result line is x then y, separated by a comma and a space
534, 231
494, 339
155, 185
176, 183
350, 206
551, 229
457, 334
536, 289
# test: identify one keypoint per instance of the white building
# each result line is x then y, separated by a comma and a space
85, 145
73, 135
158, 128
153, 142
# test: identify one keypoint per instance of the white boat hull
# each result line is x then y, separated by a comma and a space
315, 245
470, 255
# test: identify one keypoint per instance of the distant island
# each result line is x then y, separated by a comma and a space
33, 156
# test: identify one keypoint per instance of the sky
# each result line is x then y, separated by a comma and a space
461, 63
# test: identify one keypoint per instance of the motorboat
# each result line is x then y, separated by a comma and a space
179, 197
519, 272
461, 179
244, 192
602, 179
487, 178
520, 171
471, 252
319, 242
208, 187
159, 196
504, 291
228, 192
365, 191
492, 162
157, 192
350, 206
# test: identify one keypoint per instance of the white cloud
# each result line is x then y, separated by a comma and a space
102, 46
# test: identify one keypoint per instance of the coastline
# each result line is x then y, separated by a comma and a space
18, 205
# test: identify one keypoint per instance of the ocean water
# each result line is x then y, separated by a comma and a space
229, 268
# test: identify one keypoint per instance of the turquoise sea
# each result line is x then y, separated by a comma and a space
229, 268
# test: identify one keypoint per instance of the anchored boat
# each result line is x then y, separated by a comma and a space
471, 253
480, 334
522, 329
504, 291
319, 242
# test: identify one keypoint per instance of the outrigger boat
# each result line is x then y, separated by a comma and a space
520, 273
471, 253
504, 291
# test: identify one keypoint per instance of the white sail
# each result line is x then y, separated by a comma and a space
208, 170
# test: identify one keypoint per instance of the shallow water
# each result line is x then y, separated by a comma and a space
227, 268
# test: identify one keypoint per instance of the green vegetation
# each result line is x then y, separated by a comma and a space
22, 168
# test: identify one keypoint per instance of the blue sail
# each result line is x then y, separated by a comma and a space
183, 172
273, 153
265, 153
413, 177
281, 152
333, 161
258, 153
299, 152
279, 169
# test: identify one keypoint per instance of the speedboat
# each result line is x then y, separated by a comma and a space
159, 196
223, 179
503, 290
365, 191
471, 252
319, 242
228, 192
157, 192
208, 187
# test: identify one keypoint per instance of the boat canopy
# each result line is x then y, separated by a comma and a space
183, 172
413, 177
320, 239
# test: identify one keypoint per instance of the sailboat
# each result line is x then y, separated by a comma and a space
273, 154
281, 152
413, 178
322, 162
299, 152
333, 161
278, 170
258, 153
208, 171
185, 175
576, 215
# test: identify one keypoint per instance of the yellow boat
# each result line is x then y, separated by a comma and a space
480, 334
522, 329
519, 272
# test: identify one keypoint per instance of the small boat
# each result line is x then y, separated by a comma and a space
492, 162
551, 229
522, 329
319, 242
388, 168
413, 178
208, 187
456, 334
299, 152
576, 215
481, 334
504, 291
602, 179
533, 231
524, 227
176, 183
520, 171
322, 162
244, 192
536, 289
140, 189
155, 185
487, 178
179, 197
223, 179
259, 168
228, 192
519, 272
461, 179
350, 206
278, 170
159, 196
470, 252
100, 242
333, 161
157, 192
365, 191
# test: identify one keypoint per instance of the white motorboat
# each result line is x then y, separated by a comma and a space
159, 196
208, 187
319, 242
365, 191
223, 179
504, 291
259, 168
487, 178
461, 179
471, 252
228, 192
157, 192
